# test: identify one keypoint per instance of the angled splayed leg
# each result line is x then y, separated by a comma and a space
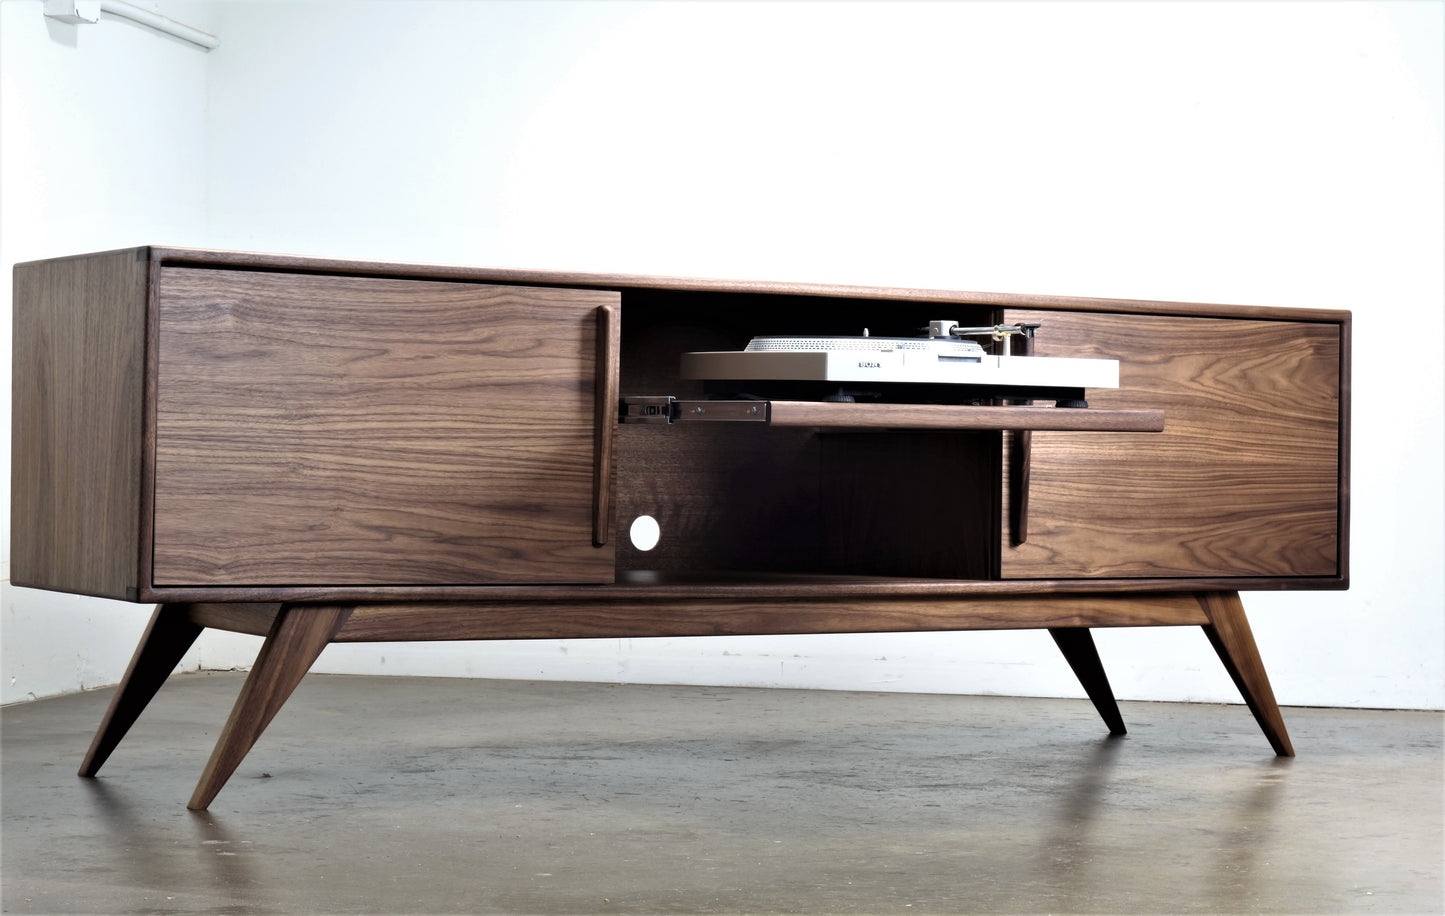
167, 637
1077, 644
1228, 631
297, 636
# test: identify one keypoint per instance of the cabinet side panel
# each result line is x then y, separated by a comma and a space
321, 430
76, 430
1244, 480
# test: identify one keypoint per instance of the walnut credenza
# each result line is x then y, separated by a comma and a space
318, 451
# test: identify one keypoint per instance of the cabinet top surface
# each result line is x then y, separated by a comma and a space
237, 260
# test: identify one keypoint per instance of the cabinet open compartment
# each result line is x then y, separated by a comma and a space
813, 502
908, 489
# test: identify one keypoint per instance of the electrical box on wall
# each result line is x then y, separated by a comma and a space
76, 12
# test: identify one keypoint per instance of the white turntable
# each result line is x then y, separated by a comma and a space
945, 357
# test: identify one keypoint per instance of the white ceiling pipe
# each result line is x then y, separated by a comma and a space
77, 11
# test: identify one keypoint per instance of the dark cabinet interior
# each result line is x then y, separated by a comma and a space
737, 497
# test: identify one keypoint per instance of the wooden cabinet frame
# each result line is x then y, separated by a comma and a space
833, 519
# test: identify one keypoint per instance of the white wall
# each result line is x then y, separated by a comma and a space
102, 145
1279, 154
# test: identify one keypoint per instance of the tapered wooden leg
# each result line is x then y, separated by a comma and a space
297, 636
1077, 644
167, 637
1228, 631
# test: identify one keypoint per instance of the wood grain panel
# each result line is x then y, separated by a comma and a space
352, 430
1244, 481
734, 617
77, 426
702, 582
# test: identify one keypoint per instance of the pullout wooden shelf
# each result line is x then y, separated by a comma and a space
948, 416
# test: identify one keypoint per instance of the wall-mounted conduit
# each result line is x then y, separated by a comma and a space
78, 11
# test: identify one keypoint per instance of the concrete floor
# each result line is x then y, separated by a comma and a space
399, 795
